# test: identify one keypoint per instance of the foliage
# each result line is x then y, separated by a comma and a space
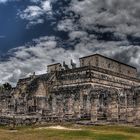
7, 86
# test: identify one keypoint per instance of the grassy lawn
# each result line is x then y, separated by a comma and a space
79, 133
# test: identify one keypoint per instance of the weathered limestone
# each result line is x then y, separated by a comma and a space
94, 106
100, 90
113, 107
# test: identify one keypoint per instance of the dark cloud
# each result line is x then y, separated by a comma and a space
74, 29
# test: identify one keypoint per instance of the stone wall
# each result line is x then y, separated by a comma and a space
108, 64
85, 93
54, 67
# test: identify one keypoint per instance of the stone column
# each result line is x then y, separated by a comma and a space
130, 108
81, 103
137, 121
60, 106
112, 110
77, 108
88, 105
54, 104
94, 107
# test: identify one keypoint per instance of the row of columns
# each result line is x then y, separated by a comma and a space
78, 103
128, 112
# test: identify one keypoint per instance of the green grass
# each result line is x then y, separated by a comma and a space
86, 133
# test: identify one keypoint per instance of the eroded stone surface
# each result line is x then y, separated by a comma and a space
88, 92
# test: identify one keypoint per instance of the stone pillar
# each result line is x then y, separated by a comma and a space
130, 108
88, 105
70, 105
137, 121
60, 106
54, 104
41, 104
77, 108
112, 110
47, 104
122, 106
94, 107
81, 103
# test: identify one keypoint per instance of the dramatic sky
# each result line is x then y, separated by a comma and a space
35, 33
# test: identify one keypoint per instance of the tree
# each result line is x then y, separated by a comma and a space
7, 86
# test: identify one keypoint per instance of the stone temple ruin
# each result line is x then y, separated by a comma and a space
101, 89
